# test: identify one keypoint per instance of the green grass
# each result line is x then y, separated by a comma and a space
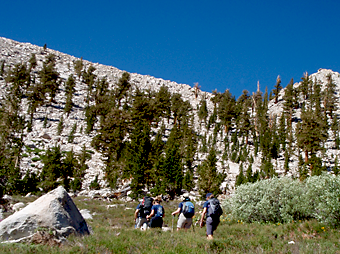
113, 233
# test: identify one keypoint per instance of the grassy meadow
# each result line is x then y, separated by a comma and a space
113, 232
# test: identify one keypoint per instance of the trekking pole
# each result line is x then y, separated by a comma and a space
172, 223
193, 225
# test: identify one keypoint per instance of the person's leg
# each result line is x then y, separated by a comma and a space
180, 222
143, 223
138, 225
209, 224
187, 224
215, 223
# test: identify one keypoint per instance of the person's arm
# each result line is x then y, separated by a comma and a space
176, 212
136, 214
202, 216
151, 214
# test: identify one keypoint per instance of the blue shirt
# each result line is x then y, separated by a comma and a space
158, 210
206, 204
181, 207
141, 213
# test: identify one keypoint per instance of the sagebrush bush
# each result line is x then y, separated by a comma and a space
286, 200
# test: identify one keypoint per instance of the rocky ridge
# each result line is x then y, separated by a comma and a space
13, 52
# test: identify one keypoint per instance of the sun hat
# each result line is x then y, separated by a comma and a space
208, 195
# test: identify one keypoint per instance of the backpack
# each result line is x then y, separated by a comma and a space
159, 211
215, 209
188, 209
145, 206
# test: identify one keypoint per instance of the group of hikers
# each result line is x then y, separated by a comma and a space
150, 213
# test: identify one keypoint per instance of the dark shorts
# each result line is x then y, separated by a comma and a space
212, 225
156, 222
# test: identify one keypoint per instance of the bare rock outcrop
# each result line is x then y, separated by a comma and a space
54, 211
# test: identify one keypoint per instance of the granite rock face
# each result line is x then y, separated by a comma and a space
54, 211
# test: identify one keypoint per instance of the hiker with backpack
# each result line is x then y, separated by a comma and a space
157, 214
213, 210
186, 211
143, 209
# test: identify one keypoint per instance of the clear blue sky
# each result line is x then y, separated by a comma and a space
220, 44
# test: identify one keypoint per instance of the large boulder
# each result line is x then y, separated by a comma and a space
54, 211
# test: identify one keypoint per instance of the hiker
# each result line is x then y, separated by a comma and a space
186, 211
213, 210
143, 209
157, 214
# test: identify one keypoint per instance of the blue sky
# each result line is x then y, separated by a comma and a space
220, 44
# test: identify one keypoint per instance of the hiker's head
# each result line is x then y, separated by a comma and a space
186, 197
209, 196
157, 200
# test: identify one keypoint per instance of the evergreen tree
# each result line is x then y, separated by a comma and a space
163, 102
123, 87
288, 100
138, 165
249, 174
311, 133
336, 169
33, 62
203, 110
305, 85
172, 166
71, 135
226, 110
52, 168
49, 77
89, 79
277, 89
240, 179
60, 126
69, 90
78, 67
330, 100
210, 179
69, 167
2, 68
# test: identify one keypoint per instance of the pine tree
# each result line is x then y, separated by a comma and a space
49, 77
203, 111
163, 102
305, 85
33, 62
89, 79
240, 179
69, 90
336, 169
52, 168
226, 110
2, 68
210, 179
288, 100
78, 67
138, 165
70, 165
60, 126
123, 87
249, 174
311, 133
330, 100
277, 89
172, 166
71, 135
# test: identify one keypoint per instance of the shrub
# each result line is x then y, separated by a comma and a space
285, 200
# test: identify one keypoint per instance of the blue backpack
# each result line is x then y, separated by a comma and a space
188, 209
214, 209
